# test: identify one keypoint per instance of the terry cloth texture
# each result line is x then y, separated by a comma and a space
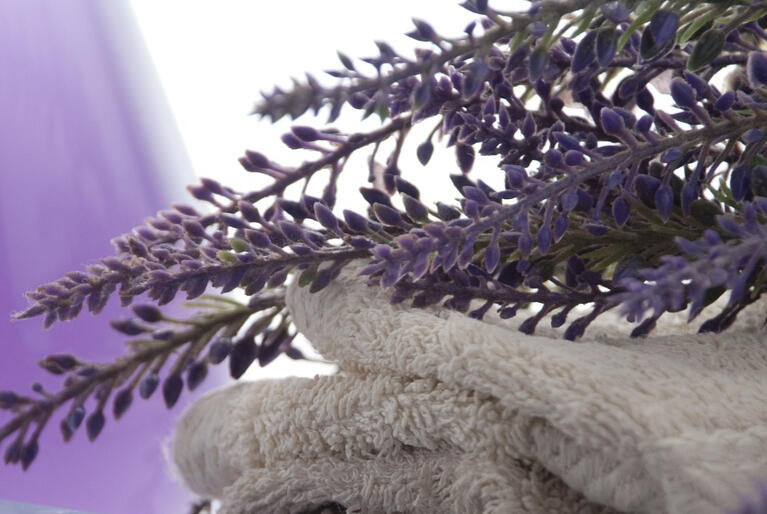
435, 412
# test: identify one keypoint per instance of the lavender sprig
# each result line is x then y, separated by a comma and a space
606, 198
713, 265
140, 371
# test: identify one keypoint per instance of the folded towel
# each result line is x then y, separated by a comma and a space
433, 411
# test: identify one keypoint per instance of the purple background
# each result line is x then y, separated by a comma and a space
88, 149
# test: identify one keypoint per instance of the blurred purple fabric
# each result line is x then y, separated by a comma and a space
88, 149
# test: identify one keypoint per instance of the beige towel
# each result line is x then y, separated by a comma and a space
435, 412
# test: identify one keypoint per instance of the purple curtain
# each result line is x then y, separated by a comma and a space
88, 149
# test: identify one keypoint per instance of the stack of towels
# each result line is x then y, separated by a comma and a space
434, 412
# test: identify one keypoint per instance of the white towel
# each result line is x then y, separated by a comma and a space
435, 412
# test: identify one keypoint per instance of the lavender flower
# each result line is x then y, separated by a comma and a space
625, 204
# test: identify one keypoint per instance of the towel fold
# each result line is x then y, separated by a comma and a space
433, 411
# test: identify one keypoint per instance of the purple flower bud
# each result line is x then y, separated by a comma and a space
528, 325
233, 221
213, 186
471, 208
569, 200
388, 215
294, 353
373, 196
729, 225
701, 87
503, 117
544, 240
559, 319
171, 216
646, 186
576, 329
584, 53
219, 350
556, 104
58, 364
257, 160
566, 141
616, 12
246, 164
595, 229
612, 122
294, 209
9, 399
258, 238
122, 402
560, 227
356, 222
645, 100
291, 231
753, 136
13, 452
515, 175
689, 193
423, 31
127, 326
606, 45
525, 244
326, 218
682, 93
475, 194
489, 109
291, 141
574, 158
725, 102
492, 255
446, 212
756, 69
644, 124
148, 385
148, 313
305, 133
243, 353
424, 152
644, 328
415, 209
405, 187
671, 155
360, 243
194, 229
528, 125
95, 424
664, 202
739, 183
465, 156
196, 374
28, 454
621, 210
249, 211
659, 36
568, 45
171, 389
273, 344
553, 157
358, 100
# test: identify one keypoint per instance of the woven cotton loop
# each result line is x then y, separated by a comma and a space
669, 424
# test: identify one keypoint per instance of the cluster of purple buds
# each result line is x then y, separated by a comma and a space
607, 196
